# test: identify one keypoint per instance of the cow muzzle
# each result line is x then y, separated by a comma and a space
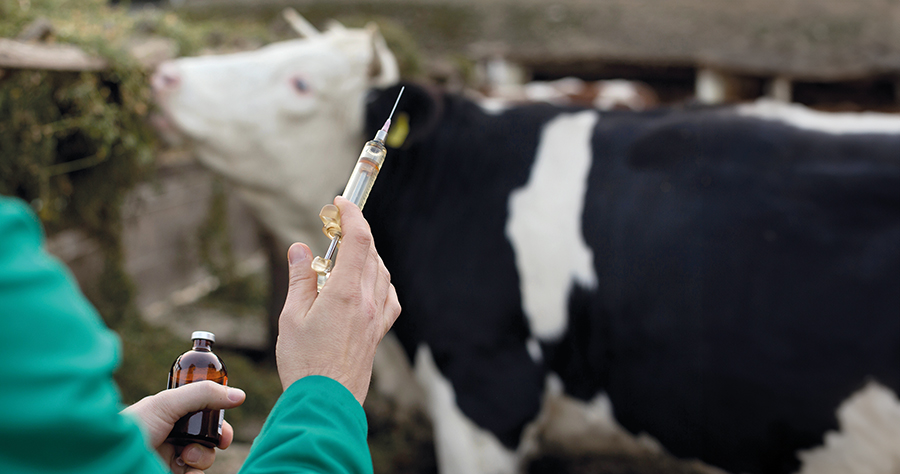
165, 79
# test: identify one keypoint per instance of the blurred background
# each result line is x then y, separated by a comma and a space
161, 246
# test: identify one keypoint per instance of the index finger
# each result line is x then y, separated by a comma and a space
356, 240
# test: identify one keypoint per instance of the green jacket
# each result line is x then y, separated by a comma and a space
59, 406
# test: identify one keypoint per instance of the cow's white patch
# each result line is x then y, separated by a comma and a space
828, 122
461, 446
494, 106
548, 210
868, 440
534, 350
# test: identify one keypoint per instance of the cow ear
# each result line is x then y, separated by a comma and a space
416, 117
383, 68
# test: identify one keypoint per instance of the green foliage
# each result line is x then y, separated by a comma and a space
101, 29
67, 131
74, 20
116, 290
222, 34
214, 241
147, 356
73, 143
235, 293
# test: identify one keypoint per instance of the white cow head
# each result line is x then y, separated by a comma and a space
283, 123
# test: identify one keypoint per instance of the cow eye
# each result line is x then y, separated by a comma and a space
300, 85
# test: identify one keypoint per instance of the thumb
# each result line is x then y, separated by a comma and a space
159, 412
302, 284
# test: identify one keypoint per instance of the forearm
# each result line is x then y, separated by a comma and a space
316, 426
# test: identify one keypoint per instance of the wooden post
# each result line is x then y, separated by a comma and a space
715, 87
57, 57
780, 89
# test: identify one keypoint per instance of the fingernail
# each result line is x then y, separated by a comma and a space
297, 254
342, 198
235, 394
191, 456
179, 461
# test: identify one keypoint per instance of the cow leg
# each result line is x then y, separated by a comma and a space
575, 427
460, 445
577, 430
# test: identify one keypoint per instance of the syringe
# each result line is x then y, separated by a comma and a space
357, 191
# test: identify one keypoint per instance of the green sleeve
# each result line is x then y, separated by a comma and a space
59, 405
317, 427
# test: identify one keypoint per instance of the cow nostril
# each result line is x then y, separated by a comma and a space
166, 77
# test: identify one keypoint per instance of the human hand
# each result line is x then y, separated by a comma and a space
336, 332
158, 413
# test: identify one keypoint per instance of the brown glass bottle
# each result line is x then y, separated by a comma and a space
199, 363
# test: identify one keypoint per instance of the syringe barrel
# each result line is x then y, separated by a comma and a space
363, 177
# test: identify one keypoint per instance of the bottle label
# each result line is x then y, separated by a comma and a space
221, 420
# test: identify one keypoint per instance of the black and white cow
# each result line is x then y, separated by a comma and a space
726, 276
720, 279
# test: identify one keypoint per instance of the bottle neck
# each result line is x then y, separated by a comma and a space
202, 345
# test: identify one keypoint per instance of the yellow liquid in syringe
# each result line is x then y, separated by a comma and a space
365, 172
